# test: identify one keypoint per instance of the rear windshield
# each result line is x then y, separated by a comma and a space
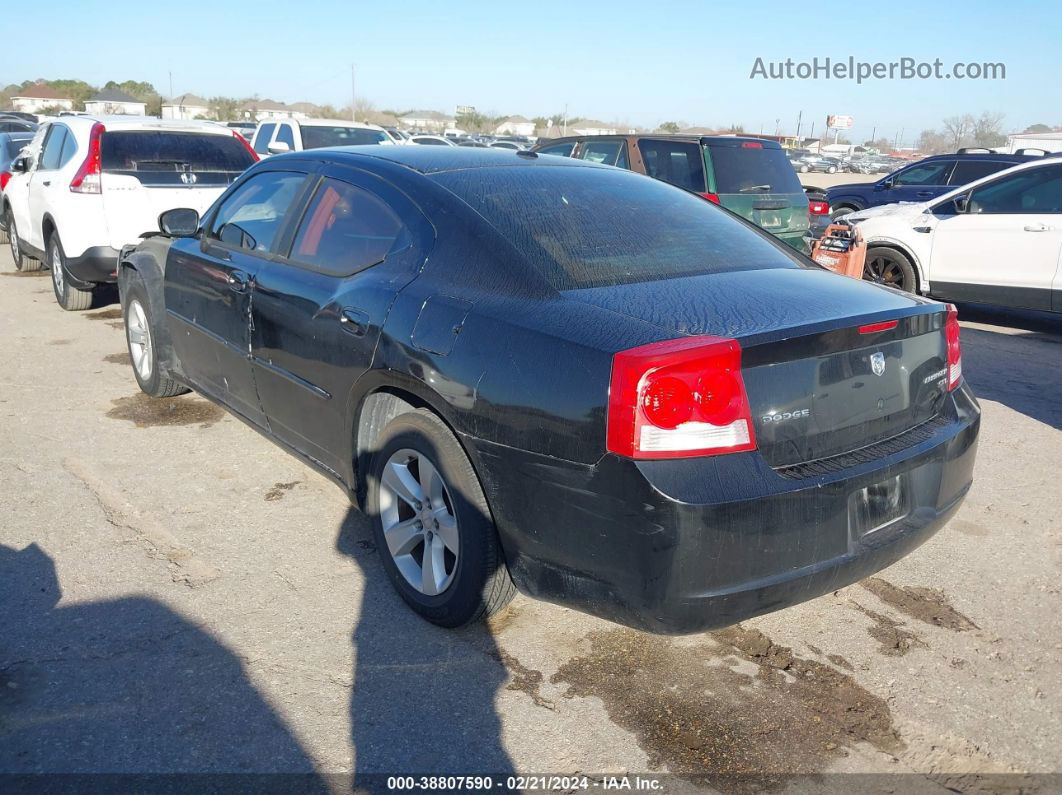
315, 137
148, 150
592, 227
746, 169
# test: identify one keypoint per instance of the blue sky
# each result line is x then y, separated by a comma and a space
644, 62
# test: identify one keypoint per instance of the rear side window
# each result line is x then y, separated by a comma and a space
252, 215
315, 137
677, 162
346, 229
69, 150
261, 143
53, 148
285, 136
564, 150
747, 167
593, 227
611, 153
966, 171
149, 150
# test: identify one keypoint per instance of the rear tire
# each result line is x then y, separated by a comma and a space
69, 297
844, 209
141, 333
890, 267
415, 449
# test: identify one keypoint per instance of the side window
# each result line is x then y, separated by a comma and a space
564, 150
966, 171
935, 173
623, 161
346, 229
261, 141
69, 149
677, 162
252, 216
1036, 191
606, 152
53, 148
285, 136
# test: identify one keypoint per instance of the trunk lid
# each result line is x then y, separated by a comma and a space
818, 385
146, 172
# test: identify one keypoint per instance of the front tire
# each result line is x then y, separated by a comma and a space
889, 267
844, 209
432, 525
23, 263
69, 297
140, 335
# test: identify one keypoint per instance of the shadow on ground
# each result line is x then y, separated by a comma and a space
1014, 368
423, 697
126, 687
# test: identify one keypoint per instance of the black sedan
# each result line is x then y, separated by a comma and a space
569, 378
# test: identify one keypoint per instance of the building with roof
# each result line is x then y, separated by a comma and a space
111, 101
430, 120
38, 97
515, 125
186, 106
591, 127
1049, 141
266, 109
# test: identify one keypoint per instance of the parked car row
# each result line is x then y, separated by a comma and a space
531, 372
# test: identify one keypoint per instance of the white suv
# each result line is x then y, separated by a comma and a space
91, 185
295, 135
997, 240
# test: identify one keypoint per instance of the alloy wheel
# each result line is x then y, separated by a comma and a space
55, 262
12, 239
418, 520
139, 335
883, 270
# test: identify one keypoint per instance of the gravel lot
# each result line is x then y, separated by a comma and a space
177, 594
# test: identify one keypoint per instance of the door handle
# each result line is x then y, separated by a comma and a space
1036, 227
238, 281
924, 193
354, 321
46, 182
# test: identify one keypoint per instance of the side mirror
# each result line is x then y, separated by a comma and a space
278, 148
886, 184
20, 165
962, 204
179, 222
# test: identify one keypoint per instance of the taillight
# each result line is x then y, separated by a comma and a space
712, 197
4, 177
679, 398
87, 178
751, 145
951, 333
246, 145
816, 207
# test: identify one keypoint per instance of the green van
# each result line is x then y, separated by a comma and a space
749, 176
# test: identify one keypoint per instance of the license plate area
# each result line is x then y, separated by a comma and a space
770, 220
878, 505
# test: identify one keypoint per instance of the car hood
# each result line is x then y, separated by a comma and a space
848, 187
903, 209
759, 304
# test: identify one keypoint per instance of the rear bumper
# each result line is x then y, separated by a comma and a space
97, 265
688, 545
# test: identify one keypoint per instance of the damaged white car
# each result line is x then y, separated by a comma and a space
997, 240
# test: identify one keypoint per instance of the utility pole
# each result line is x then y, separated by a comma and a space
800, 118
564, 129
874, 134
171, 85
812, 133
353, 112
